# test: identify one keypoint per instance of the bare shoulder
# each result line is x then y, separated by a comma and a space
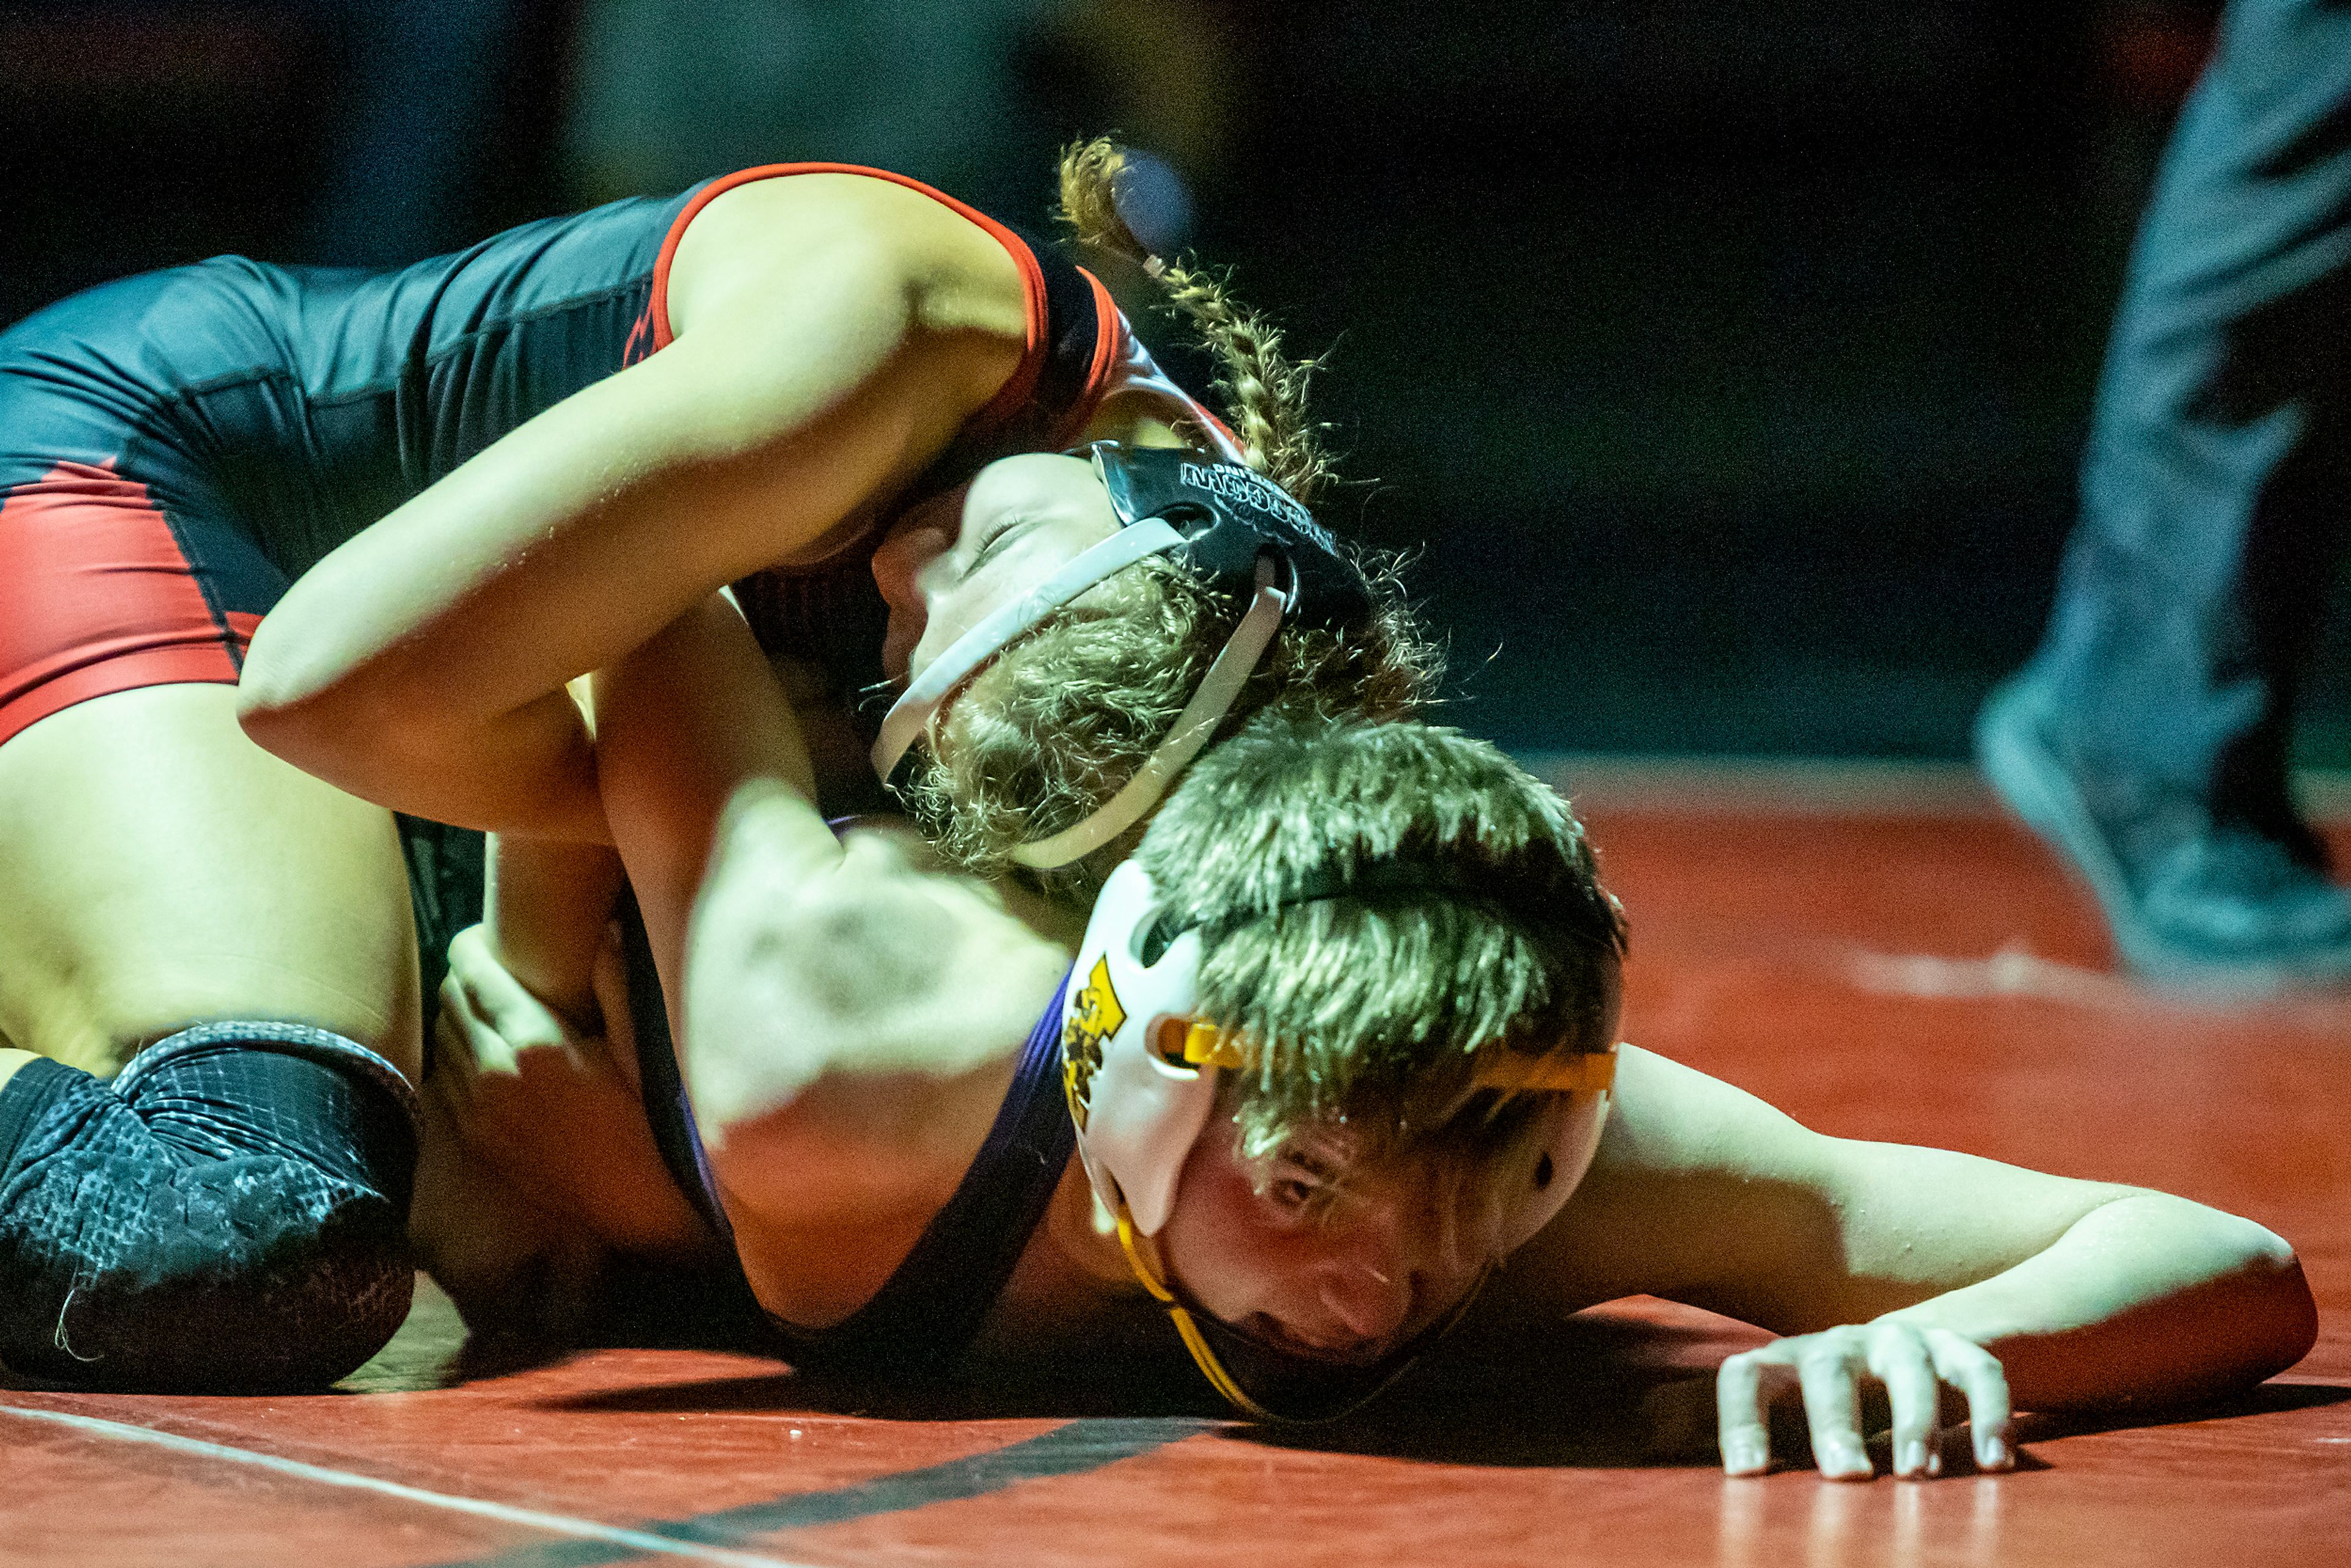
767, 233
1679, 1150
1667, 1116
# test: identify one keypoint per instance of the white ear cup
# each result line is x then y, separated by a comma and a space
1142, 1113
1143, 1110
1570, 1151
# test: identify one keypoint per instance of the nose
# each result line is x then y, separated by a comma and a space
1367, 1286
1423, 1250
899, 560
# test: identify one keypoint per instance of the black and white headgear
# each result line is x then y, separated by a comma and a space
1241, 531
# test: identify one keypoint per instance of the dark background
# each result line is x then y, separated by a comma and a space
1726, 361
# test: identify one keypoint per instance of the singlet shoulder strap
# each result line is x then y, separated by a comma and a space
660, 1084
1084, 342
927, 1312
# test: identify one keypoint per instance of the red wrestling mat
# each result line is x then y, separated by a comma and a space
1879, 954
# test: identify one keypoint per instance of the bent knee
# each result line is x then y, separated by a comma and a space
229, 1216
243, 1275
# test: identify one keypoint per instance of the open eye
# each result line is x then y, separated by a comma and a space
1293, 1189
1302, 1183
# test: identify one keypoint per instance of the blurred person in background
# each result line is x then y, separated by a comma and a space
667, 92
422, 137
2150, 740
966, 97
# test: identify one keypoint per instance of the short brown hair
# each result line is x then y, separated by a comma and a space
1478, 922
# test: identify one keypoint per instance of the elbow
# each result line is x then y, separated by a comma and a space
2253, 1314
270, 711
297, 707
275, 696
285, 716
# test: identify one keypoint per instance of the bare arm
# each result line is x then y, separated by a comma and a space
833, 333
535, 1069
2086, 1294
827, 992
545, 912
547, 905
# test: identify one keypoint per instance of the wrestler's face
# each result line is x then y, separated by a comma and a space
949, 562
1285, 1250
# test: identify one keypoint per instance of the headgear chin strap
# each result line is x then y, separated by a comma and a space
1140, 1073
1239, 530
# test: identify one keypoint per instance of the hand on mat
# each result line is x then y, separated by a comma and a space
1830, 1370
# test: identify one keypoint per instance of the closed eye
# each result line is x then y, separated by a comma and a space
994, 543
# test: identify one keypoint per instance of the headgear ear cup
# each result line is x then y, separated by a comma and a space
1138, 1114
1140, 1073
1139, 1108
1569, 1156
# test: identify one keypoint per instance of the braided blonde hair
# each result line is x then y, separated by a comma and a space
1265, 392
1050, 730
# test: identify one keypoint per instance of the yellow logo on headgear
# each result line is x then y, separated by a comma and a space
1095, 1015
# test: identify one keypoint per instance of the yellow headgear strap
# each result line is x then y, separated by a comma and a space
1194, 1042
1203, 1357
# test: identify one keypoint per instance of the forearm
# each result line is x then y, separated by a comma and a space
2147, 1299
531, 771
419, 665
545, 908
688, 721
418, 647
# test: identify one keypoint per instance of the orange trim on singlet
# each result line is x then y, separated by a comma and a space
1110, 352
1112, 337
1109, 335
1012, 395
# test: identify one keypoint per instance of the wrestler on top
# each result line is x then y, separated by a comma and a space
565, 438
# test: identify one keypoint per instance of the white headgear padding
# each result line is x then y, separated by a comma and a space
911, 715
1138, 1114
1234, 527
1140, 1071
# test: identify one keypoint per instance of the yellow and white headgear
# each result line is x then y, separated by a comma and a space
1140, 1069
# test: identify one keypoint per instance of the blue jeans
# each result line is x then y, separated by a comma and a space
2215, 486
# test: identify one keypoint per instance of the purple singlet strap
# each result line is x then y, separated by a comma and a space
927, 1312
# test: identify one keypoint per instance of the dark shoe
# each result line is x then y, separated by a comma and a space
2189, 899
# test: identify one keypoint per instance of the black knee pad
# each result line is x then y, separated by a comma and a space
229, 1215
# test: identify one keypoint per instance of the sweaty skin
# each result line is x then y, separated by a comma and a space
833, 332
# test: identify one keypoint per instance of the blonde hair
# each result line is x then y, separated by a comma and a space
1470, 919
1052, 728
1264, 392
